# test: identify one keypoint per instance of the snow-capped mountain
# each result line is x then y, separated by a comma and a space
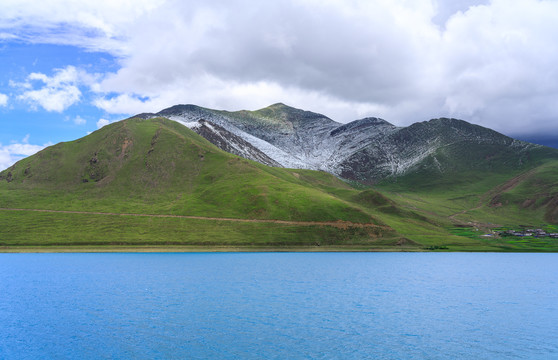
366, 150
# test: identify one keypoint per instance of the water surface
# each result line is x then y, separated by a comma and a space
279, 306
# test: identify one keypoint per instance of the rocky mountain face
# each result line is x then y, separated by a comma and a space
367, 150
439, 147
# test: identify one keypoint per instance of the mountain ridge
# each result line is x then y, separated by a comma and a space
368, 150
180, 183
444, 155
159, 170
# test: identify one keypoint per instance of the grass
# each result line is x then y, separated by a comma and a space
40, 229
169, 170
160, 167
480, 203
166, 171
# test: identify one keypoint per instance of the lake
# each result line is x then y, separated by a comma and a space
279, 306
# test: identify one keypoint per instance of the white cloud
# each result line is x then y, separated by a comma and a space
54, 93
10, 154
344, 50
484, 61
53, 99
102, 122
347, 59
99, 25
126, 104
218, 94
3, 99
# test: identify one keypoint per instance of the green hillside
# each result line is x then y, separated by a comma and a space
479, 201
159, 167
156, 185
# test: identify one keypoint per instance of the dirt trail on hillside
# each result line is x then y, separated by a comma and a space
452, 217
341, 224
491, 194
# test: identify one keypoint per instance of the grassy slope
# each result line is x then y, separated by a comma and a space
505, 191
452, 194
168, 169
160, 167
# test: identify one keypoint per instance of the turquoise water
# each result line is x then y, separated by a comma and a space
279, 306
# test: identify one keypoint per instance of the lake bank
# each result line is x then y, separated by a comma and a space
238, 249
192, 249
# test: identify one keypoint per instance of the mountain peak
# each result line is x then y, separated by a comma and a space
363, 125
280, 108
285, 113
180, 109
279, 105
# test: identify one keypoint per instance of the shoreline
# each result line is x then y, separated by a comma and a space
250, 249
194, 249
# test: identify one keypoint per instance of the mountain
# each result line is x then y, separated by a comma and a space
139, 160
447, 167
191, 176
293, 138
138, 182
369, 150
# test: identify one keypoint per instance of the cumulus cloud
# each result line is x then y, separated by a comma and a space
3, 99
97, 25
484, 61
10, 154
357, 51
57, 92
490, 63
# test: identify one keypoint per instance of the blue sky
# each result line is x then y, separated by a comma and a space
65, 111
70, 67
25, 115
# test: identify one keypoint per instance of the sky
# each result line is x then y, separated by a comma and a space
70, 67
